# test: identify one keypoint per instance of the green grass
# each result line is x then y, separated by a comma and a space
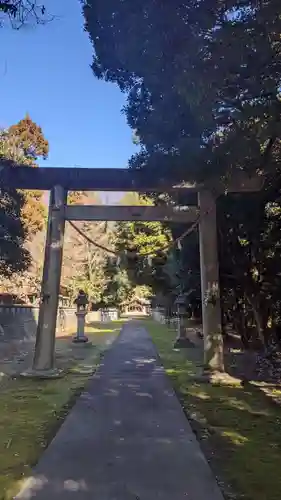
238, 428
32, 410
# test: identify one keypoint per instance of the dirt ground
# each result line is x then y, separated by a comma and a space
16, 356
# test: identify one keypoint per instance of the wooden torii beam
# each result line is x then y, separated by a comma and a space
131, 213
87, 179
114, 179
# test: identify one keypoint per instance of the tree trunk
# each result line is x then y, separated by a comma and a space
259, 320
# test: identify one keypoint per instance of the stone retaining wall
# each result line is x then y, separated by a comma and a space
19, 322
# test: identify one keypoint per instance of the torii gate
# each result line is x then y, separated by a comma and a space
61, 180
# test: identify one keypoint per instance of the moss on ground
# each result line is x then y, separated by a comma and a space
238, 427
32, 410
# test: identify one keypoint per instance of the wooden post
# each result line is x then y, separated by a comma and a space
209, 267
43, 362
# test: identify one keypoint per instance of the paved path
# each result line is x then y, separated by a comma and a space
126, 438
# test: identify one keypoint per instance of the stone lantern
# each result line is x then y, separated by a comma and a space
181, 339
81, 302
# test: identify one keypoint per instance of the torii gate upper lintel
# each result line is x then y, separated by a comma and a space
112, 179
60, 180
86, 179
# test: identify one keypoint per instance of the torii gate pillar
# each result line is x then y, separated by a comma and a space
209, 267
43, 361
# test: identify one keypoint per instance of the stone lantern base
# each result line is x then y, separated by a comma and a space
80, 340
182, 340
80, 337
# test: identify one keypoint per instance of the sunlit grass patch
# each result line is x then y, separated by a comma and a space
238, 427
32, 410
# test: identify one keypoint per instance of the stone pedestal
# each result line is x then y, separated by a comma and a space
181, 340
80, 337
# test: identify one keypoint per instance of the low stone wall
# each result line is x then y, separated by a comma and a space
158, 315
18, 326
19, 322
93, 317
102, 315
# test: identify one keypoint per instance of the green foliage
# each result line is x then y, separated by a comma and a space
143, 246
232, 423
249, 242
39, 408
22, 213
122, 287
13, 256
23, 143
119, 287
143, 291
195, 85
203, 87
138, 245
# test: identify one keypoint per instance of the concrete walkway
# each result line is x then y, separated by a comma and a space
126, 438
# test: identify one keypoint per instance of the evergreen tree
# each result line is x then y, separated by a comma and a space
22, 213
203, 86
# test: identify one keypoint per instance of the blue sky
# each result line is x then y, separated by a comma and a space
45, 71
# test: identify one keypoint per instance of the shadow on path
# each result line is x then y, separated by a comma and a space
126, 438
